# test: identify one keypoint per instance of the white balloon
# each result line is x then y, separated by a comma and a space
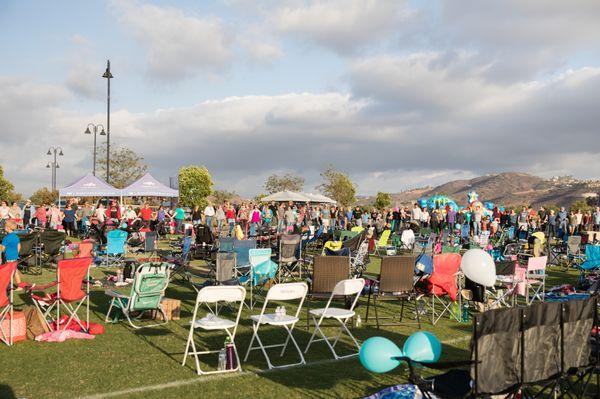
479, 267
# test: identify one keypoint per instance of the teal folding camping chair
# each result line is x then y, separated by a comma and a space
149, 284
115, 248
262, 270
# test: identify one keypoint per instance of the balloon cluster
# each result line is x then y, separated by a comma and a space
380, 355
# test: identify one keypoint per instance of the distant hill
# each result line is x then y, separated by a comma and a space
506, 189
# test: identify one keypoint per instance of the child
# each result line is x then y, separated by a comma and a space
11, 246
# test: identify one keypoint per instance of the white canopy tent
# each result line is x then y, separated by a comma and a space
89, 186
285, 196
148, 186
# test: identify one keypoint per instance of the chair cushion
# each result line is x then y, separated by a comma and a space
336, 313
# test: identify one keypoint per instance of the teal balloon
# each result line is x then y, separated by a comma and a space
423, 347
376, 355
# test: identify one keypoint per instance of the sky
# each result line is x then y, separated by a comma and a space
398, 94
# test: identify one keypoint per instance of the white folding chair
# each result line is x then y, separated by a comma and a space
281, 293
343, 288
535, 278
213, 321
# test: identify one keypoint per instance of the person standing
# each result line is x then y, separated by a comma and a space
55, 216
145, 214
280, 218
230, 215
551, 224
69, 221
220, 216
596, 219
415, 214
196, 215
209, 213
179, 218
523, 219
255, 220
563, 220
15, 213
41, 216
28, 214
11, 246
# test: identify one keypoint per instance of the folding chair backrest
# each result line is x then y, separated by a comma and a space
537, 264
541, 341
287, 292
53, 241
496, 350
242, 249
396, 274
71, 273
149, 283
256, 256
511, 233
573, 244
150, 241
289, 247
7, 271
353, 243
27, 241
221, 293
226, 244
446, 264
115, 242
263, 268
204, 235
578, 319
225, 266
350, 286
465, 230
505, 268
85, 249
384, 238
327, 271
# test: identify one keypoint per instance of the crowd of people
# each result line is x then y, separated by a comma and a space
77, 217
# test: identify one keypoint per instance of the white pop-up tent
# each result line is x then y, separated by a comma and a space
148, 186
284, 196
89, 186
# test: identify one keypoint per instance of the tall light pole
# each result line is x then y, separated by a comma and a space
54, 150
95, 129
108, 76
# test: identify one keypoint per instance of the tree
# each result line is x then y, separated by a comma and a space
289, 181
126, 166
7, 192
338, 186
222, 196
581, 205
44, 196
383, 200
195, 185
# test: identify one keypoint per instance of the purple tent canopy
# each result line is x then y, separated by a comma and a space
89, 186
148, 186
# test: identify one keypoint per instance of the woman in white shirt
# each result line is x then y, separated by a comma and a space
209, 212
424, 218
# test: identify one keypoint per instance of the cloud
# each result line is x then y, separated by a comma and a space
82, 77
177, 44
344, 26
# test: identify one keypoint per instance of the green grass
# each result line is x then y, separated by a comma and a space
125, 359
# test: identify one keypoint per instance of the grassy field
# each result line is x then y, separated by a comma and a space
127, 363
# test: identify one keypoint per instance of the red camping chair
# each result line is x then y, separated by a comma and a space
72, 291
7, 272
442, 286
85, 249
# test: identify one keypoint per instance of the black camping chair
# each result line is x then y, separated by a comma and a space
29, 259
52, 245
533, 351
205, 242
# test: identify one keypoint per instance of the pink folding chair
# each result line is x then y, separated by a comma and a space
7, 272
535, 278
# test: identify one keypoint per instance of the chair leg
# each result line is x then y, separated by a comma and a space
368, 304
376, 312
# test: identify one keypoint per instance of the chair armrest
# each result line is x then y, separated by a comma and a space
115, 294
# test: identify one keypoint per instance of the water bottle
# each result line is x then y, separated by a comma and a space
231, 362
465, 313
358, 321
282, 312
222, 360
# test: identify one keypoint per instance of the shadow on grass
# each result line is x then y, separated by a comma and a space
6, 392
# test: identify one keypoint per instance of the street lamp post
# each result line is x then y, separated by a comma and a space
54, 150
108, 76
95, 129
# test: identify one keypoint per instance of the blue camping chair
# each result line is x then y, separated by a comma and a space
592, 258
115, 248
262, 270
181, 262
226, 244
242, 256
